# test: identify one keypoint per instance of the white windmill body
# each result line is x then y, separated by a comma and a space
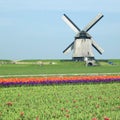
82, 48
83, 43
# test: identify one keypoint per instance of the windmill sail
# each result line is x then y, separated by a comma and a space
70, 24
97, 47
69, 48
93, 22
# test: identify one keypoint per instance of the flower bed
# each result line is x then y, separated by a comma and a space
59, 80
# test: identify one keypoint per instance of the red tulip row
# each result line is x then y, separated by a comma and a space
59, 79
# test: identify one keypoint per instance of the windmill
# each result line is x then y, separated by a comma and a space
83, 42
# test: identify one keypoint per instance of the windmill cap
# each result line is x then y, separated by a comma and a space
83, 34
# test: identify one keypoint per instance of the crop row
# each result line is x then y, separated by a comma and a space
59, 80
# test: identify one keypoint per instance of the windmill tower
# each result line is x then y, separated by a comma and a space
83, 42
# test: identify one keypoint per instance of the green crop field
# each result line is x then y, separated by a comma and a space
59, 102
36, 67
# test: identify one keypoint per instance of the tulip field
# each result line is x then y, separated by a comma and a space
91, 101
27, 94
58, 80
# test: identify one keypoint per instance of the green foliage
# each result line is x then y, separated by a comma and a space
5, 61
60, 102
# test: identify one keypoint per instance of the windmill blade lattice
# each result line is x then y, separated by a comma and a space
93, 22
70, 24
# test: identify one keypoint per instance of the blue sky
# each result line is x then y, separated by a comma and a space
33, 29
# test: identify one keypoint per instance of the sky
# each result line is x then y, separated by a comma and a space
33, 29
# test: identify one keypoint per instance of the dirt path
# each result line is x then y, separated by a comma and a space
45, 75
